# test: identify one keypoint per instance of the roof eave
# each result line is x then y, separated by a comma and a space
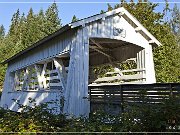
121, 10
45, 39
153, 39
82, 22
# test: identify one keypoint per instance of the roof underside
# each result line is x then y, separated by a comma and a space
111, 51
129, 18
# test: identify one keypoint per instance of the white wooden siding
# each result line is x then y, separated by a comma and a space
50, 49
23, 97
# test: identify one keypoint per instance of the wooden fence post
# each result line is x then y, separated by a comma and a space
171, 91
122, 102
89, 88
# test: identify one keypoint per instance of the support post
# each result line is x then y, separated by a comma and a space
16, 80
149, 65
43, 77
60, 69
39, 77
25, 79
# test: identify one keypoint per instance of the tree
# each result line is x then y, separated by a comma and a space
2, 31
52, 20
26, 30
109, 7
175, 22
74, 19
166, 57
14, 23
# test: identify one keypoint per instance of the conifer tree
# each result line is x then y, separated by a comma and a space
109, 7
52, 20
14, 23
74, 19
26, 30
175, 22
41, 24
2, 31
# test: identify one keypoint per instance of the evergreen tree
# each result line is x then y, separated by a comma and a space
74, 19
41, 24
52, 20
175, 22
26, 30
30, 35
14, 23
102, 11
109, 7
2, 31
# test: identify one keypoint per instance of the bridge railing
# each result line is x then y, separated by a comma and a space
118, 95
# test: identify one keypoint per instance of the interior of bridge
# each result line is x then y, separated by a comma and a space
115, 61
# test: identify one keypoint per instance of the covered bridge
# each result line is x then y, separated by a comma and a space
58, 67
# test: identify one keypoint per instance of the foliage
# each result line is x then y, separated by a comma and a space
74, 19
2, 31
136, 118
175, 22
26, 30
166, 57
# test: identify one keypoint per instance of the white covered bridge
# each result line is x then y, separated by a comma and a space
58, 67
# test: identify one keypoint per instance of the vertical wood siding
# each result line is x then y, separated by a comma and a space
48, 50
77, 82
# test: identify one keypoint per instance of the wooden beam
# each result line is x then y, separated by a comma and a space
121, 13
38, 77
137, 29
124, 77
97, 44
151, 42
105, 54
25, 79
60, 69
104, 49
110, 58
43, 76
126, 71
29, 77
16, 80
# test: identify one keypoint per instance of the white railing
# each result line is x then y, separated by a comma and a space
134, 76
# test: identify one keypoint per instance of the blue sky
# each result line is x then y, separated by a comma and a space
66, 9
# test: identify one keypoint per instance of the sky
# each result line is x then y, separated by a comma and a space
80, 8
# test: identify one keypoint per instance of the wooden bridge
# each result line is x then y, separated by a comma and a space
113, 97
61, 65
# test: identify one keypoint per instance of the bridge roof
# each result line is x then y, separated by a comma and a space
120, 11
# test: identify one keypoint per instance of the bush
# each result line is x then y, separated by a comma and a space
135, 118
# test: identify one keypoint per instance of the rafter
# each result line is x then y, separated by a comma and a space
105, 54
97, 44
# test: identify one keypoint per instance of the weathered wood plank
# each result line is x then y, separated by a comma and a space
52, 78
124, 77
126, 71
132, 94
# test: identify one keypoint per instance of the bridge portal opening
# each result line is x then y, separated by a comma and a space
114, 61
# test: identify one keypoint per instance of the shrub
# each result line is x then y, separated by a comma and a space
136, 118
